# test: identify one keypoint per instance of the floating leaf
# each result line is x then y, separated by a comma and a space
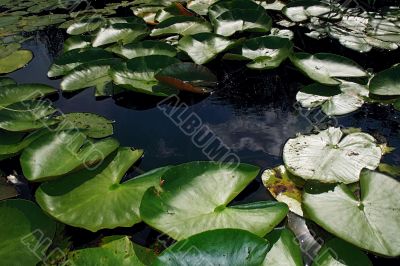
4, 81
200, 6
23, 229
327, 157
386, 82
15, 61
301, 10
109, 204
176, 9
6, 50
182, 25
282, 186
232, 247
13, 93
40, 161
77, 42
187, 77
86, 25
371, 222
193, 198
120, 32
325, 68
143, 48
339, 252
203, 47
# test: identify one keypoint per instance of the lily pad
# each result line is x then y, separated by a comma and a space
139, 74
85, 25
15, 61
77, 42
350, 98
176, 9
113, 250
193, 198
13, 93
232, 247
143, 48
285, 249
325, 68
109, 204
283, 187
40, 161
181, 25
301, 10
203, 47
371, 222
120, 32
23, 228
188, 77
386, 82
329, 157
339, 252
6, 50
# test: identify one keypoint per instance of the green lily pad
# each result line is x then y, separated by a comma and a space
24, 232
176, 9
92, 125
95, 199
181, 25
27, 116
40, 161
200, 6
283, 187
203, 47
120, 32
325, 68
13, 93
4, 81
193, 198
301, 10
113, 250
329, 157
85, 25
187, 77
285, 249
371, 222
350, 98
143, 48
74, 58
232, 247
139, 74
386, 82
339, 252
6, 50
15, 61
77, 42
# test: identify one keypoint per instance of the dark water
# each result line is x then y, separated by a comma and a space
253, 114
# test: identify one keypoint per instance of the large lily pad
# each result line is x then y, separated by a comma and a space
217, 247
15, 61
371, 222
41, 159
77, 42
329, 157
86, 25
96, 199
200, 6
139, 74
188, 77
325, 68
143, 48
113, 250
120, 32
182, 25
23, 230
299, 11
386, 82
203, 47
13, 93
285, 249
193, 198
350, 98
338, 252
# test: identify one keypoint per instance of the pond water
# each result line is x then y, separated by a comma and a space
251, 113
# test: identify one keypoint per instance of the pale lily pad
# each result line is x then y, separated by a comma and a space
301, 10
40, 161
95, 199
285, 249
13, 93
187, 77
350, 98
23, 228
143, 48
120, 32
193, 198
77, 42
386, 82
329, 157
203, 47
15, 61
337, 252
231, 247
181, 25
86, 25
282, 186
325, 68
371, 222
